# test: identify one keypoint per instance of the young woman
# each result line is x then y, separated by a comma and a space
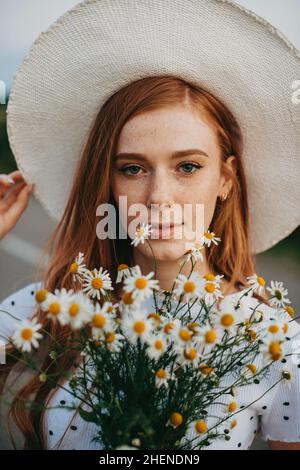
157, 140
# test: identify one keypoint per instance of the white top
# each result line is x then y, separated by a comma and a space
276, 415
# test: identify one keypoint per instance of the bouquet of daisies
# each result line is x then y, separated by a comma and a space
160, 370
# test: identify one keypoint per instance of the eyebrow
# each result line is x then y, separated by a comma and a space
177, 154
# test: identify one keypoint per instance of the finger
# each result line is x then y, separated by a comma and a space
13, 214
16, 175
8, 181
10, 197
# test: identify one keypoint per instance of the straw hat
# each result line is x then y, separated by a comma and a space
100, 46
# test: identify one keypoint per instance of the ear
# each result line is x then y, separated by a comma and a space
226, 181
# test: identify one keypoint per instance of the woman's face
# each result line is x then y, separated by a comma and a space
160, 177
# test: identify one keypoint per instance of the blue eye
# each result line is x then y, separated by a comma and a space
190, 166
124, 170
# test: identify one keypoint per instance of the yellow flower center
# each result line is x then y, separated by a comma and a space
155, 316
233, 423
201, 426
227, 319
97, 283
275, 350
191, 354
285, 328
139, 327
210, 288
189, 287
209, 235
27, 334
210, 336
74, 268
193, 326
252, 335
205, 369
127, 298
110, 337
98, 320
168, 327
41, 295
141, 283
289, 309
73, 310
273, 328
184, 335
122, 266
54, 308
161, 374
209, 277
158, 344
232, 406
261, 281
252, 367
176, 419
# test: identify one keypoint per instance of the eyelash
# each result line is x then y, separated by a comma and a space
195, 165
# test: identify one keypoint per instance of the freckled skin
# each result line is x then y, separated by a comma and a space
159, 179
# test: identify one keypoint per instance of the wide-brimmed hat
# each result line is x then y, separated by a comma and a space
99, 46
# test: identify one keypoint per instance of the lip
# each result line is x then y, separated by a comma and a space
164, 226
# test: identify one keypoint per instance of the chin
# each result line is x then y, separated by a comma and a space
167, 250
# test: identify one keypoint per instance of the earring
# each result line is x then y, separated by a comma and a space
223, 197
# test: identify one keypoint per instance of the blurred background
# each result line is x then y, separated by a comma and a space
22, 21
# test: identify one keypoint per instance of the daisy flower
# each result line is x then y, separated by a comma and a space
274, 330
123, 272
56, 304
189, 287
157, 345
139, 285
208, 238
272, 350
78, 268
194, 253
141, 234
278, 294
136, 325
175, 420
78, 312
257, 283
182, 338
249, 371
170, 325
26, 335
162, 376
227, 317
230, 405
101, 321
210, 288
113, 341
110, 308
41, 297
189, 355
129, 303
207, 336
96, 282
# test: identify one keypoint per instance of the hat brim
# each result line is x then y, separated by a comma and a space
98, 47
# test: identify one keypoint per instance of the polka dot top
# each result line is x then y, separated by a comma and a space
276, 415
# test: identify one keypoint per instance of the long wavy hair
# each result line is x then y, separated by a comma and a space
91, 187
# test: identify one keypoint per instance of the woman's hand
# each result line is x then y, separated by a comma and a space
14, 197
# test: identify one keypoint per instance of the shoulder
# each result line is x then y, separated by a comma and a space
17, 306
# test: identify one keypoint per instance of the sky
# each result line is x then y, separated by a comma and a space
23, 20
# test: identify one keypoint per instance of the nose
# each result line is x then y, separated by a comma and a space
161, 190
